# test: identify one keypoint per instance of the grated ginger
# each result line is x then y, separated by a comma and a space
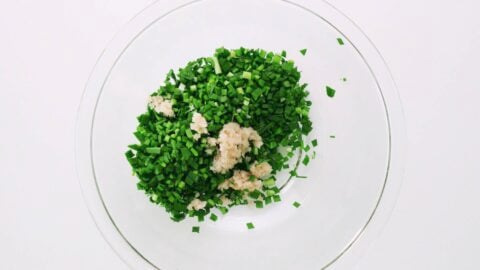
196, 204
241, 181
233, 143
161, 105
260, 170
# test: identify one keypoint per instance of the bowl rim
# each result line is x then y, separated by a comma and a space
146, 18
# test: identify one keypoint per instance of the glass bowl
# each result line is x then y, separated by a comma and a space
351, 185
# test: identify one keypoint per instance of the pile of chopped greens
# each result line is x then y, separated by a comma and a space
251, 87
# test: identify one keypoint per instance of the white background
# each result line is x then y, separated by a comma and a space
48, 48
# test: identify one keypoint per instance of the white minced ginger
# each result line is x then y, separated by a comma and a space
196, 136
224, 185
260, 170
196, 204
161, 105
241, 181
212, 141
199, 124
233, 143
225, 200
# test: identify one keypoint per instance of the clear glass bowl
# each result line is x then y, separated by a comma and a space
351, 185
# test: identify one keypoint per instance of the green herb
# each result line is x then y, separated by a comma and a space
332, 136
250, 226
259, 204
196, 229
216, 65
296, 204
268, 200
246, 75
303, 51
153, 150
276, 198
340, 41
306, 160
252, 87
330, 91
344, 79
314, 143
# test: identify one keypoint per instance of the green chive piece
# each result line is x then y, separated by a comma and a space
276, 59
268, 200
340, 41
314, 143
213, 217
223, 210
276, 198
269, 182
211, 203
306, 160
218, 70
330, 91
153, 150
332, 136
303, 51
196, 229
255, 194
250, 226
296, 204
259, 204
270, 192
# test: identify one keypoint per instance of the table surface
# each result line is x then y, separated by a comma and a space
48, 48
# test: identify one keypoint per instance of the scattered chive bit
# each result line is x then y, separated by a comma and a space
223, 210
332, 136
344, 79
303, 51
296, 204
340, 41
213, 217
196, 229
306, 160
250, 226
259, 204
330, 91
314, 143
177, 158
